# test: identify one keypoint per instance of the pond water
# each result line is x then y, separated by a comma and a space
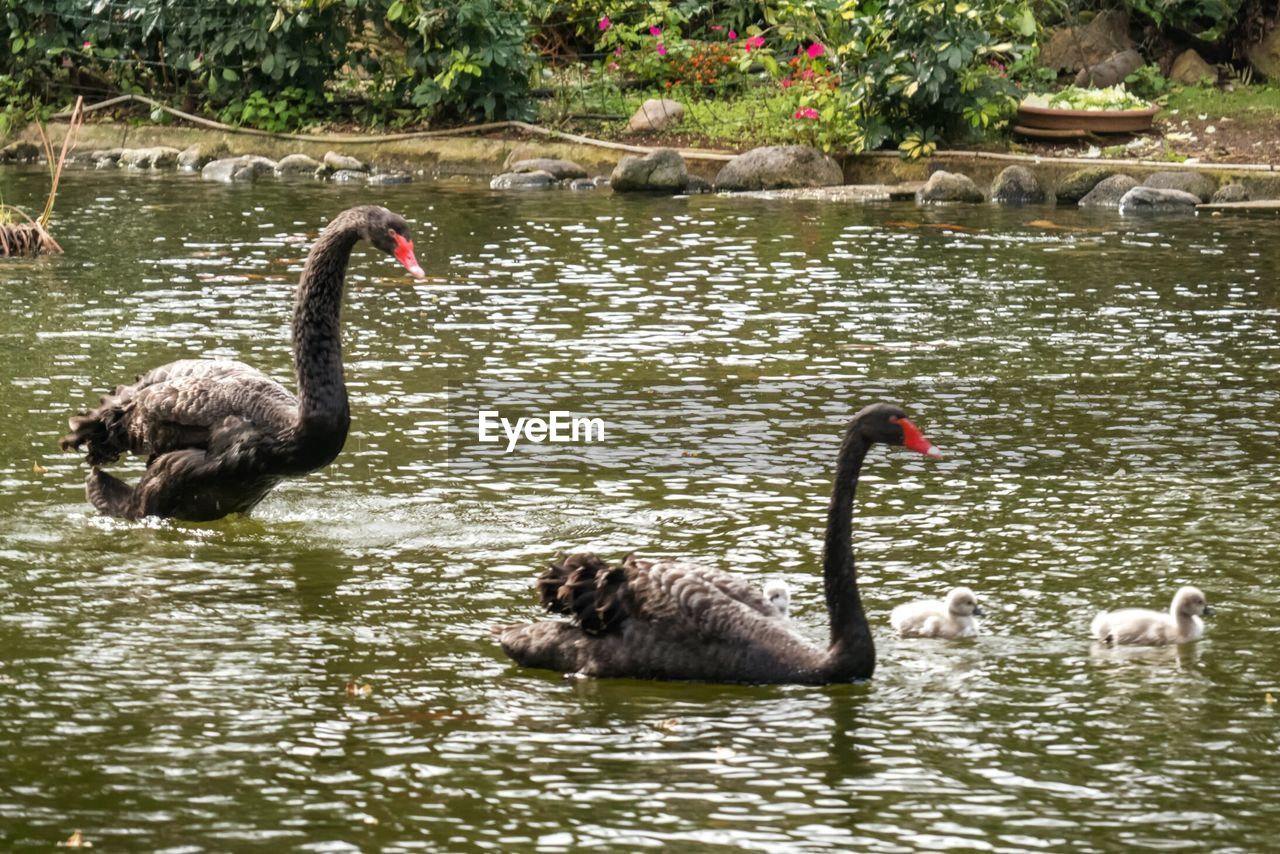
1105, 391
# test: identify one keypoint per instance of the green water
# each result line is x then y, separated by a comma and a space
1106, 394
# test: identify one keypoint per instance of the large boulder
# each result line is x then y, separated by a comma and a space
16, 152
336, 162
657, 114
563, 170
1017, 185
1112, 70
1152, 200
156, 157
779, 167
660, 171
247, 167
1077, 185
1108, 192
1196, 183
1190, 68
1264, 55
106, 156
1069, 48
523, 181
1233, 192
297, 164
944, 186
196, 156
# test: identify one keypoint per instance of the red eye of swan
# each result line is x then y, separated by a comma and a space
912, 438
404, 253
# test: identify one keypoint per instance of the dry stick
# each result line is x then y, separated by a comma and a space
77, 118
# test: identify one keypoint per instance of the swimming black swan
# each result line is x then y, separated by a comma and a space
219, 435
664, 619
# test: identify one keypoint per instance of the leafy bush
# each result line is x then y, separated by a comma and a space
1207, 20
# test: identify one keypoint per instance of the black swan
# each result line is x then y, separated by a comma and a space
664, 619
219, 435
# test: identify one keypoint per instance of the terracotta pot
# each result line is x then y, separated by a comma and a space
1088, 121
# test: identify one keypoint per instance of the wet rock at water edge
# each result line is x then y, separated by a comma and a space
387, 178
523, 181
195, 157
348, 176
697, 186
157, 157
779, 167
247, 167
1108, 192
20, 152
106, 156
582, 184
1154, 200
336, 162
1017, 185
562, 170
660, 171
298, 164
1077, 185
1195, 183
657, 114
1233, 192
944, 186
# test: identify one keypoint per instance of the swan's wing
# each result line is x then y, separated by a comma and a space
681, 599
181, 405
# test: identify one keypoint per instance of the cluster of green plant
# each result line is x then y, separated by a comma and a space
1206, 20
272, 62
1078, 98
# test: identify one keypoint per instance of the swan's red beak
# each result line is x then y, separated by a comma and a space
912, 438
404, 254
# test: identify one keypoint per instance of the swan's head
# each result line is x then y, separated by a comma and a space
963, 603
1190, 601
779, 594
390, 232
888, 424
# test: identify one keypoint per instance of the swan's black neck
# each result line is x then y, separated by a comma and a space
852, 654
323, 413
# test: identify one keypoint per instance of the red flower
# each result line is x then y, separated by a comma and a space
806, 113
753, 42
816, 50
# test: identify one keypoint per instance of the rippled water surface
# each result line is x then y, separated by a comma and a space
1105, 391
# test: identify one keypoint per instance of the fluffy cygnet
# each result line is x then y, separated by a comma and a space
1153, 628
953, 618
779, 594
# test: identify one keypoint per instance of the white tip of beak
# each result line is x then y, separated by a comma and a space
933, 453
417, 271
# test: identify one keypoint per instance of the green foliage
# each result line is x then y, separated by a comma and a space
288, 111
1207, 20
1148, 83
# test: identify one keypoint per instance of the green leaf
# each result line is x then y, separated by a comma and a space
395, 10
230, 75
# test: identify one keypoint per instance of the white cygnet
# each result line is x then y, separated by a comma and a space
953, 618
779, 595
1152, 628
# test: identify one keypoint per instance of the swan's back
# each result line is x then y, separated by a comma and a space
1142, 627
660, 620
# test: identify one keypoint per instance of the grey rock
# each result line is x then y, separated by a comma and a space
297, 164
1196, 183
582, 184
16, 152
945, 186
660, 171
657, 114
106, 156
1017, 185
523, 181
1077, 185
337, 162
1264, 55
196, 156
386, 178
1108, 192
247, 167
157, 157
348, 176
779, 167
1154, 200
601, 180
697, 186
563, 170
1112, 70
1233, 192
1071, 48
1190, 68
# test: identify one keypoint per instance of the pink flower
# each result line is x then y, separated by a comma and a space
753, 42
655, 31
613, 66
806, 113
617, 51
87, 44
807, 74
816, 50
733, 35
786, 82
662, 49
605, 23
